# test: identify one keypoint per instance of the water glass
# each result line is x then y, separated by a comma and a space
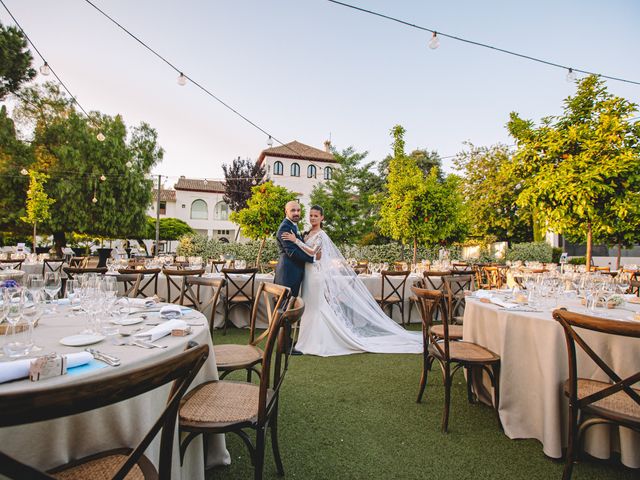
31, 312
13, 303
52, 284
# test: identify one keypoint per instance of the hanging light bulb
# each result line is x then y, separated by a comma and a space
571, 76
102, 178
101, 137
128, 164
205, 181
182, 80
24, 171
45, 70
434, 42
253, 182
94, 199
270, 142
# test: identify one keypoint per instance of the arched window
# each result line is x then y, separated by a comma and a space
328, 172
295, 170
278, 168
199, 210
221, 211
311, 171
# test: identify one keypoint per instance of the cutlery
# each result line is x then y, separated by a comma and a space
128, 334
104, 357
131, 343
150, 344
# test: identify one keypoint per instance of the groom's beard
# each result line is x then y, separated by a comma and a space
294, 219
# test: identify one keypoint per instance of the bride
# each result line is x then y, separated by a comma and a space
341, 316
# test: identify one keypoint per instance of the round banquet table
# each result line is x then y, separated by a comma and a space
534, 367
56, 442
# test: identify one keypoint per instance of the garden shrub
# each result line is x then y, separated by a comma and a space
530, 252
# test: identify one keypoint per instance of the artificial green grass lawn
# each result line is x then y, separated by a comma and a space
355, 417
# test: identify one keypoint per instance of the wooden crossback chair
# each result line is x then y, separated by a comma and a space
232, 357
454, 288
11, 264
495, 276
130, 283
592, 402
188, 294
78, 262
634, 287
217, 265
52, 265
393, 295
22, 408
452, 355
71, 272
238, 290
148, 277
224, 406
176, 278
433, 280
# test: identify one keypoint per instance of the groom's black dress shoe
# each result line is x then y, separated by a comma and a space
296, 352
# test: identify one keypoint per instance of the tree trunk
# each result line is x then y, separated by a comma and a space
619, 255
59, 241
415, 251
260, 252
588, 246
34, 237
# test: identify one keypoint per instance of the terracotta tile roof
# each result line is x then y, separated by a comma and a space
199, 185
165, 195
299, 151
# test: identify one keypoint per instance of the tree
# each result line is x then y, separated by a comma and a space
102, 187
582, 168
425, 159
14, 156
15, 61
419, 208
170, 228
346, 198
264, 212
239, 179
38, 202
490, 191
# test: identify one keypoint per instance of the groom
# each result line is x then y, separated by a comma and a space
290, 268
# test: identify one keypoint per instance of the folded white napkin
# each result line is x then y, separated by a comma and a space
171, 311
142, 302
20, 368
498, 301
162, 330
483, 293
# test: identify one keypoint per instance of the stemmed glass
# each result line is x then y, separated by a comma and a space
52, 285
13, 303
31, 312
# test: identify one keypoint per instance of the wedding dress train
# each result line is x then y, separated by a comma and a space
341, 317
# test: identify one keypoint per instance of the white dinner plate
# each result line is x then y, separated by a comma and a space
81, 339
128, 321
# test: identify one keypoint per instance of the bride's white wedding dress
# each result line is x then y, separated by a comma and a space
341, 316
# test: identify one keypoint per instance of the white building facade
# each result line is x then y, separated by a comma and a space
298, 167
200, 202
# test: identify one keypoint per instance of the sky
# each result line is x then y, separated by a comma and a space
310, 70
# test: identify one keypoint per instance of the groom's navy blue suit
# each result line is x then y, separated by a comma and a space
290, 268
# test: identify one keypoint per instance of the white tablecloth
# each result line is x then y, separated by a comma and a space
55, 442
534, 367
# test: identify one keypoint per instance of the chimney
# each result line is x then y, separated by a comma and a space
327, 146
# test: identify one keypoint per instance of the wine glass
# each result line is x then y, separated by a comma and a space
52, 284
71, 290
13, 299
31, 312
35, 285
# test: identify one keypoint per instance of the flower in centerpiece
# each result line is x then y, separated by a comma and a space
8, 284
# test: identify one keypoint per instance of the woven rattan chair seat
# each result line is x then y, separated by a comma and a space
231, 355
455, 331
394, 299
240, 299
99, 468
619, 404
221, 402
466, 352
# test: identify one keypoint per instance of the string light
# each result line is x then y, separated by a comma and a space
477, 44
571, 76
182, 80
24, 171
100, 137
253, 182
45, 70
102, 178
94, 199
205, 182
270, 142
434, 42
